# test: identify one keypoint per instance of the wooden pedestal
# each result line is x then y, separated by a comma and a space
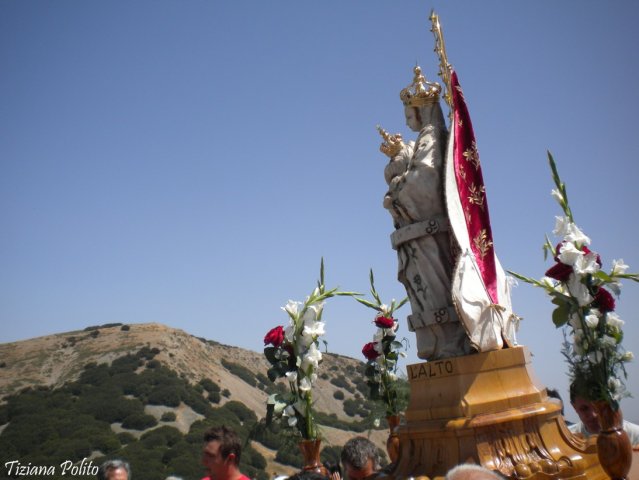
488, 409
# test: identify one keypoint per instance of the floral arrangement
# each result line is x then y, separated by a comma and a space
383, 352
294, 354
583, 295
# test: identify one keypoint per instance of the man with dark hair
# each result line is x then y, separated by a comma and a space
114, 470
589, 421
221, 454
359, 458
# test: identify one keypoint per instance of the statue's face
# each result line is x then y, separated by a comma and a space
412, 120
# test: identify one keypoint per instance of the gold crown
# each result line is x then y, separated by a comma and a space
421, 91
392, 144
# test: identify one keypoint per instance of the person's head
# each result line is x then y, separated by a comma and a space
221, 452
359, 458
308, 475
114, 470
469, 471
554, 393
584, 408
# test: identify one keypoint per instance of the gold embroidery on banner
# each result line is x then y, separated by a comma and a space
462, 173
482, 243
476, 196
469, 217
472, 155
460, 122
461, 92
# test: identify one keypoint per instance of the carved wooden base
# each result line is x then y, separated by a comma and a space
488, 409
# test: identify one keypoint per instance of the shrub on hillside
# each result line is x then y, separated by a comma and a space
168, 417
165, 395
164, 436
338, 395
241, 372
341, 382
209, 385
241, 411
139, 421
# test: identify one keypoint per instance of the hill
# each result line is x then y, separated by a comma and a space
171, 380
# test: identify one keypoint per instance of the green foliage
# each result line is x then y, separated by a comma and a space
165, 395
289, 454
50, 426
139, 421
353, 407
168, 417
164, 436
338, 395
209, 385
271, 436
341, 382
241, 372
331, 454
241, 411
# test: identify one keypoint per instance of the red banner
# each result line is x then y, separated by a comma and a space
472, 193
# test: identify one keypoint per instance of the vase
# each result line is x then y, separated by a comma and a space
311, 456
613, 445
392, 443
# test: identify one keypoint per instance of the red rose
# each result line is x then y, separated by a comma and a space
604, 300
275, 336
384, 322
559, 271
369, 351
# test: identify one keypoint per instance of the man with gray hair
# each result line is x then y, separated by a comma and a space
359, 458
114, 470
469, 471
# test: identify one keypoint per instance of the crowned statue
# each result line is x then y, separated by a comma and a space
458, 292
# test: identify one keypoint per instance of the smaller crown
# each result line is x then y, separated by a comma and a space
421, 91
392, 144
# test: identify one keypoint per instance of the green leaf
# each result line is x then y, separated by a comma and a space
548, 248
368, 304
561, 314
401, 303
271, 354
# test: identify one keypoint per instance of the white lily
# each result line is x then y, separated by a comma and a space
613, 320
292, 307
587, 264
592, 320
289, 332
312, 357
305, 385
628, 357
608, 341
291, 377
314, 329
619, 267
289, 412
561, 226
575, 235
569, 254
578, 290
595, 357
312, 313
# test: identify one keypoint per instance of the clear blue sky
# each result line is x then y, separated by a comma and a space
189, 162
